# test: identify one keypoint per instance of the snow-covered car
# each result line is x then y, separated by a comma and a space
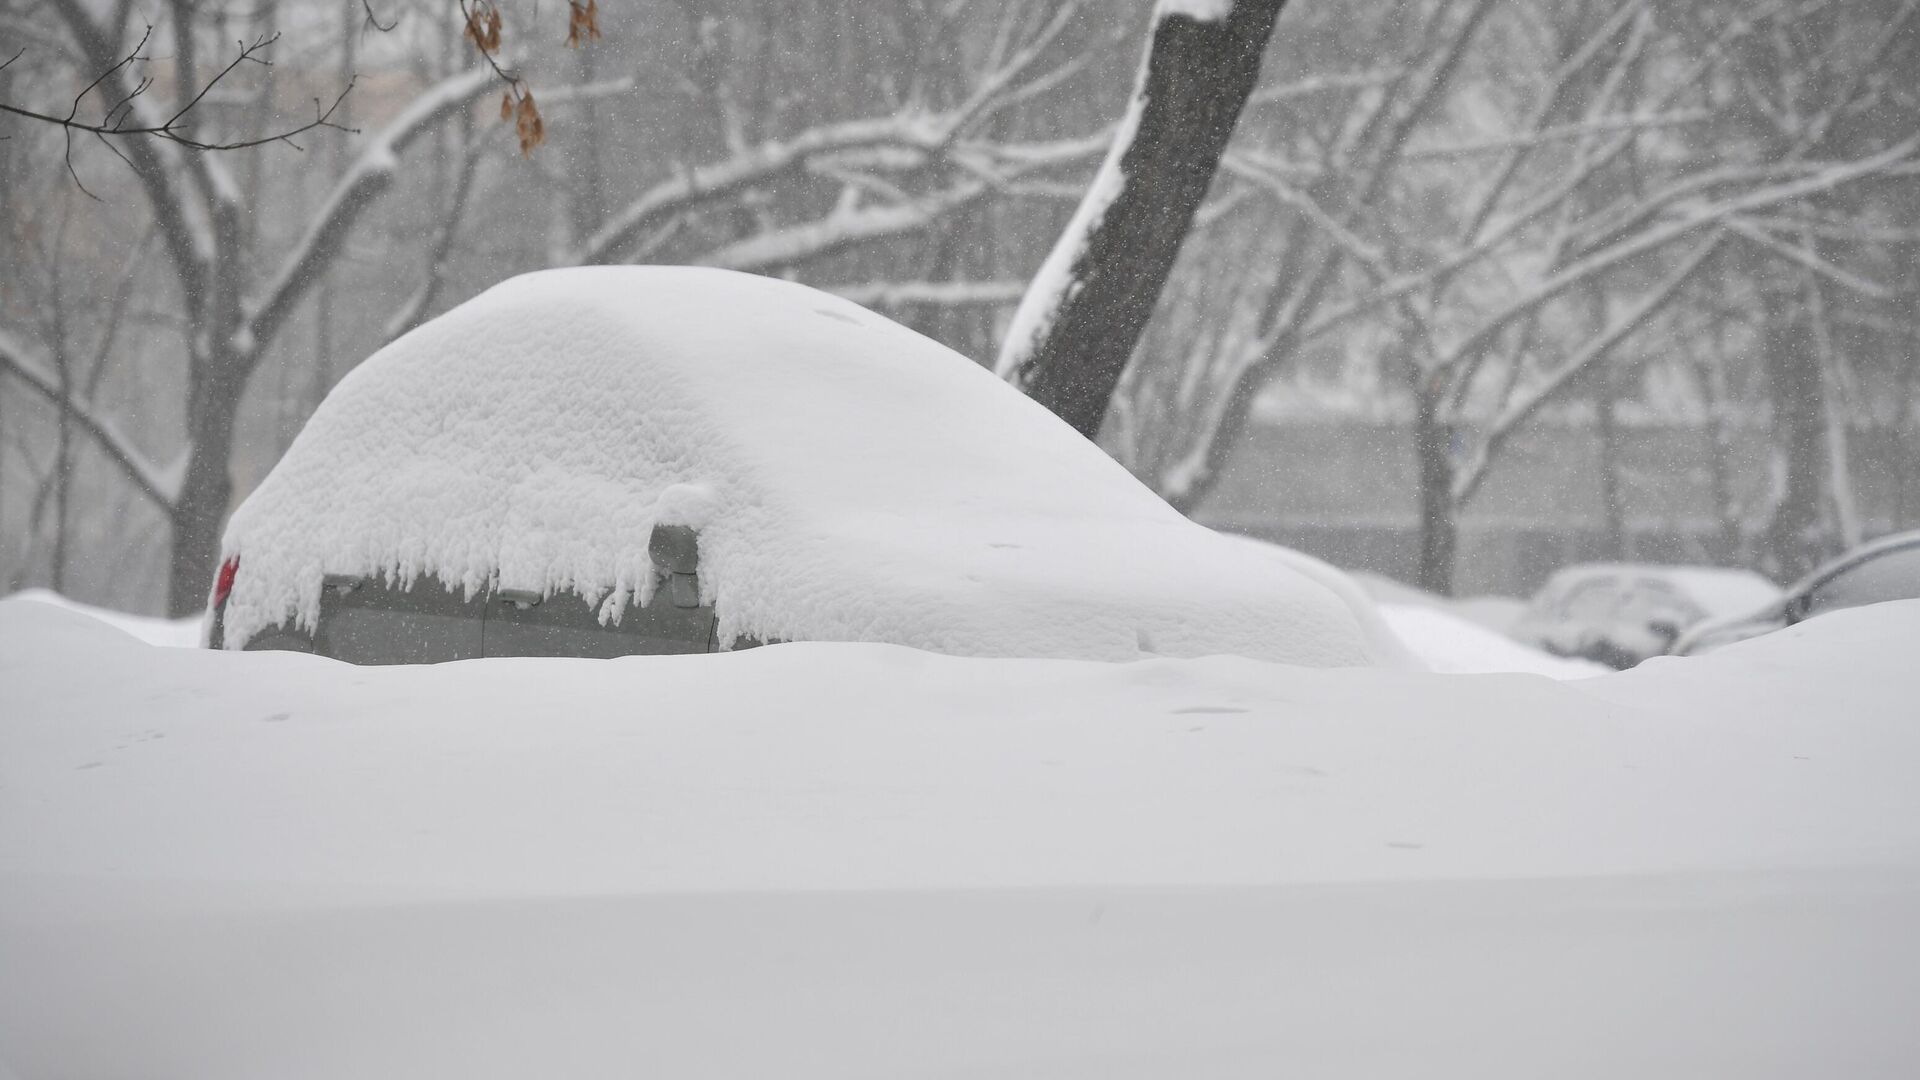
1622, 613
616, 460
1884, 569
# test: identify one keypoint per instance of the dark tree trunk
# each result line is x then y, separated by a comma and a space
1613, 516
1799, 535
589, 203
1711, 370
1613, 525
1720, 449
1439, 525
196, 535
205, 490
62, 478
1078, 326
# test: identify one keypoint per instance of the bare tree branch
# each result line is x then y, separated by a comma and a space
159, 485
364, 182
1799, 254
1529, 401
841, 228
414, 311
116, 120
898, 294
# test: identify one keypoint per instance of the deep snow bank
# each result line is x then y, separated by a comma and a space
829, 860
852, 481
175, 633
1451, 643
869, 766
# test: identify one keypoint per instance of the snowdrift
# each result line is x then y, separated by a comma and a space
864, 861
851, 481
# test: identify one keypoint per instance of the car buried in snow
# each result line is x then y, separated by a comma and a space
1619, 614
618, 460
1879, 570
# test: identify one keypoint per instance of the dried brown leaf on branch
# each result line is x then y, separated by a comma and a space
527, 123
583, 22
483, 27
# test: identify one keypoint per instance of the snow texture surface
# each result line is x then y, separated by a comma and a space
175, 633
864, 861
1447, 642
852, 481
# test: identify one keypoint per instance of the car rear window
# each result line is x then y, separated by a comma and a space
1894, 575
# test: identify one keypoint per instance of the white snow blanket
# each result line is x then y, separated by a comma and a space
1447, 642
851, 480
176, 633
854, 861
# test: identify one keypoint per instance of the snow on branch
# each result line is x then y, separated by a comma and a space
900, 141
363, 182
1527, 402
760, 164
1800, 254
899, 294
1197, 10
841, 228
1578, 129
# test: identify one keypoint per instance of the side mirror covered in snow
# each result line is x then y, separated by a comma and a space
675, 550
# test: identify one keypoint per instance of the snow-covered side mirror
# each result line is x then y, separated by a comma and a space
675, 550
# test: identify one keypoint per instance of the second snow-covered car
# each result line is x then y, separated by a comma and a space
1884, 569
1622, 613
618, 460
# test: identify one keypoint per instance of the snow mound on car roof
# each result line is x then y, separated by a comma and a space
851, 479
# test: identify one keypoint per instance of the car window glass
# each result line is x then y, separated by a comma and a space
395, 636
1894, 575
377, 622
565, 624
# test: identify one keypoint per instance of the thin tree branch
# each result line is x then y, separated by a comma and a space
1467, 479
841, 228
114, 123
364, 182
161, 488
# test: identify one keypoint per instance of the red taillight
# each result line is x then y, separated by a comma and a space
223, 584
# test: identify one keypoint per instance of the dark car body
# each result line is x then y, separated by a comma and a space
427, 621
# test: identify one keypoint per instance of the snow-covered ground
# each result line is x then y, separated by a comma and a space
1456, 644
1495, 613
178, 633
1464, 635
846, 860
